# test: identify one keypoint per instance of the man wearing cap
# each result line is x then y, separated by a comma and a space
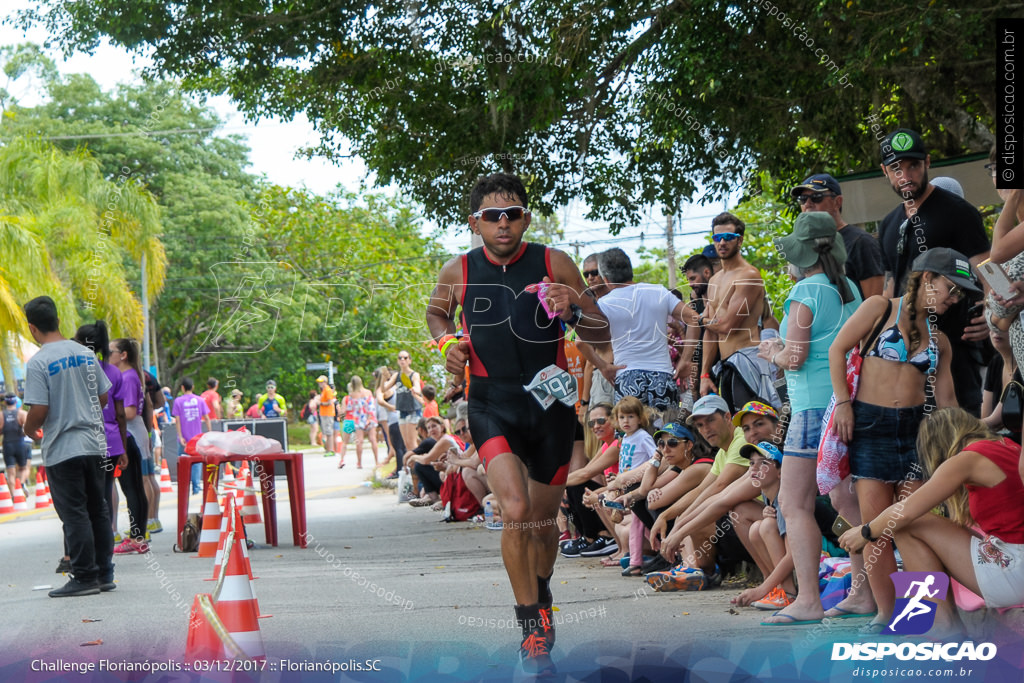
712, 418
864, 263
931, 217
327, 409
271, 404
757, 421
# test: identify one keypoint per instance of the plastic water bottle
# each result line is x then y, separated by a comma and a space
488, 515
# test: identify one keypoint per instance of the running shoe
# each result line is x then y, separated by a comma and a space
64, 566
74, 588
572, 548
775, 600
154, 526
129, 546
602, 546
673, 579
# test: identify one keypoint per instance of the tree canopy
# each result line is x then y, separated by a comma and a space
622, 107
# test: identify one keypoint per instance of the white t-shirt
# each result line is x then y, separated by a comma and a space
635, 450
637, 316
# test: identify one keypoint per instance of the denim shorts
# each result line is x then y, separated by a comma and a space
804, 433
884, 445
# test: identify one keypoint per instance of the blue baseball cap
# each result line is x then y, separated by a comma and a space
768, 450
709, 252
819, 182
675, 429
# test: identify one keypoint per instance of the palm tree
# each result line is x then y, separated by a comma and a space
67, 232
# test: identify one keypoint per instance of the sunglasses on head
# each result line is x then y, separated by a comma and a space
725, 237
597, 421
591, 273
671, 443
513, 213
814, 198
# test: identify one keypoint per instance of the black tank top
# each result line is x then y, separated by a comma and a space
12, 430
511, 337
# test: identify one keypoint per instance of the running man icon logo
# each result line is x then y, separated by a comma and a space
914, 613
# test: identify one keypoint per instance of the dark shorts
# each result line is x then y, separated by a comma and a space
884, 445
503, 418
15, 453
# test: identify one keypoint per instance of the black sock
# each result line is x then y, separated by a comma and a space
544, 591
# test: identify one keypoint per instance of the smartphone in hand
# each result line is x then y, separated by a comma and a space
840, 526
996, 278
612, 504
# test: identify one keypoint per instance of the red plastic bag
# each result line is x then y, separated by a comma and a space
833, 454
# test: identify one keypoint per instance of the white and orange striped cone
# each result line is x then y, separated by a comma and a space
20, 502
6, 504
210, 533
227, 525
42, 490
165, 478
235, 602
228, 480
250, 507
208, 639
243, 474
240, 525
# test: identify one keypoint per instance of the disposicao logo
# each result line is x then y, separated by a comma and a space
914, 613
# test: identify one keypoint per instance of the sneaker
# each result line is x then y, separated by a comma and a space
328, 454
563, 537
657, 564
679, 577
154, 526
130, 546
74, 588
393, 475
572, 548
495, 526
602, 546
63, 566
118, 537
775, 600
107, 586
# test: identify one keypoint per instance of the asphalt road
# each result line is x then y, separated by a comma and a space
395, 591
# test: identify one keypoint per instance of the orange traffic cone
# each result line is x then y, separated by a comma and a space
6, 504
210, 533
227, 525
165, 478
235, 602
208, 640
42, 490
243, 475
250, 508
228, 479
20, 503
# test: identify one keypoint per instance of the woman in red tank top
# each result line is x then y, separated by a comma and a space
981, 545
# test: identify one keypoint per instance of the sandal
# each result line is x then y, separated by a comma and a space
609, 562
633, 570
437, 507
420, 502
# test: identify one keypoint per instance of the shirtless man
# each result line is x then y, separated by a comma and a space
735, 307
524, 438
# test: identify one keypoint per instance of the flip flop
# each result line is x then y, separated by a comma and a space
872, 629
793, 621
847, 614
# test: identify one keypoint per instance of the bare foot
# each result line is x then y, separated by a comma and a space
850, 606
795, 613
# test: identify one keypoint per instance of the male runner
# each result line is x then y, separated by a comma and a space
510, 343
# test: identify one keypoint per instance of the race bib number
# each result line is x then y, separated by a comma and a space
553, 384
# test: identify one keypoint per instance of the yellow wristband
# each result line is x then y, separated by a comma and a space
444, 340
448, 342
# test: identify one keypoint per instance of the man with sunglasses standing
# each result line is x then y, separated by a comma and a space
864, 264
930, 217
521, 399
732, 319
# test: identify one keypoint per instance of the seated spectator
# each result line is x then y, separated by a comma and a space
976, 474
429, 478
711, 417
593, 536
676, 453
759, 422
635, 450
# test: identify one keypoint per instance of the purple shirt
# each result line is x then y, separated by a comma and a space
189, 409
132, 388
115, 446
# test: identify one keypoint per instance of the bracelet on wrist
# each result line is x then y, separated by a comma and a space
706, 376
447, 343
839, 403
444, 340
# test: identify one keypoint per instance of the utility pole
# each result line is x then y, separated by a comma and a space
670, 241
576, 247
145, 317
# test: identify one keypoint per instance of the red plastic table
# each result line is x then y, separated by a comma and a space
296, 489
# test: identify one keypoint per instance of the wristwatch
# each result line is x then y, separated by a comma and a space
865, 531
655, 463
577, 315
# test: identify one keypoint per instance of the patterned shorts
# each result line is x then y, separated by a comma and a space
999, 568
655, 390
